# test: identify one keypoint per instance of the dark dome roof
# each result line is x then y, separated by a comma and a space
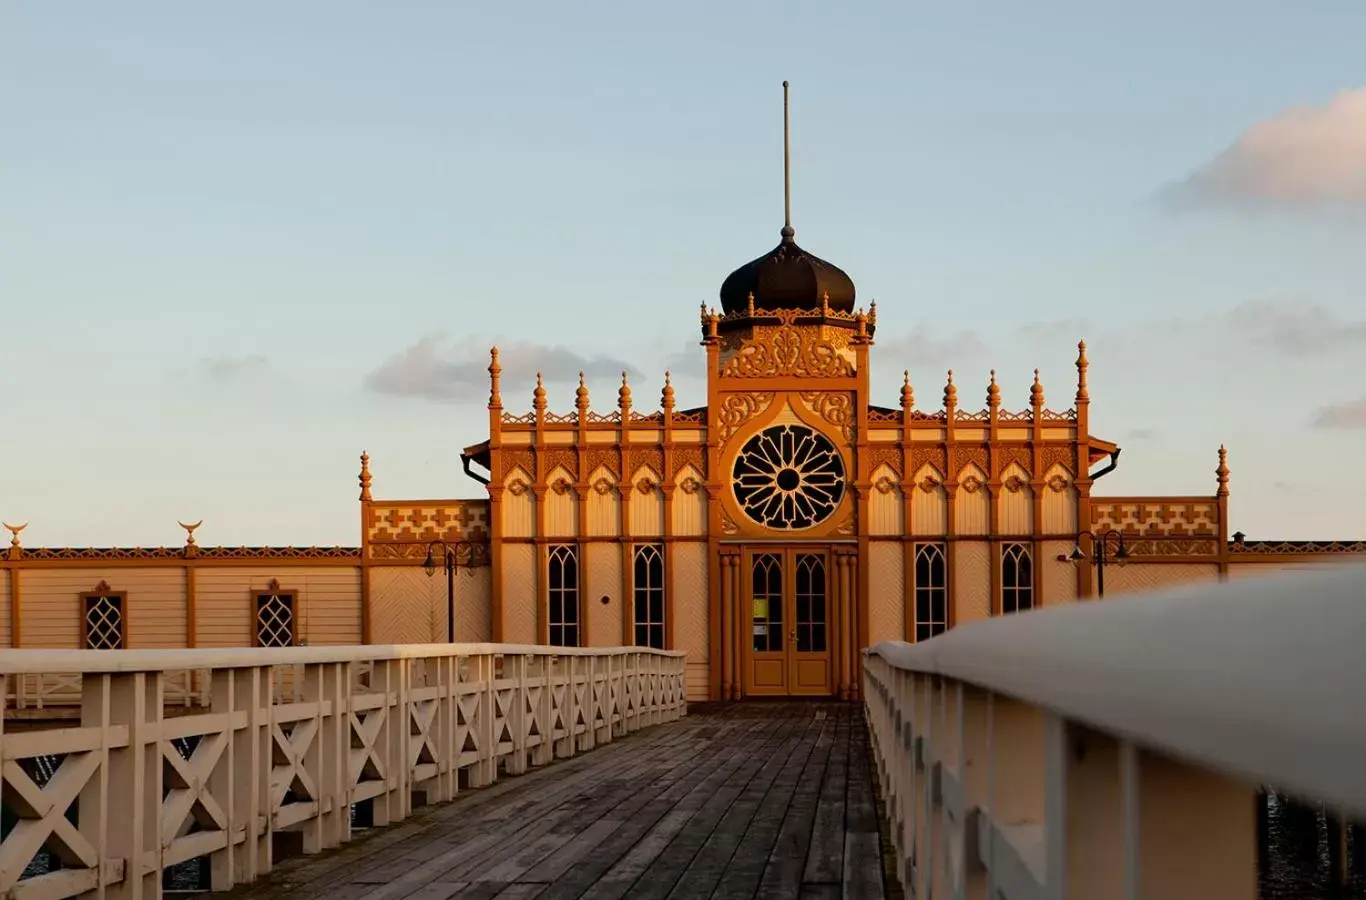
787, 277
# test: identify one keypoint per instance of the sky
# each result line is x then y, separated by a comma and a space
239, 243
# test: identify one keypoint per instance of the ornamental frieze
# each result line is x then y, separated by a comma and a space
835, 407
879, 456
788, 350
736, 409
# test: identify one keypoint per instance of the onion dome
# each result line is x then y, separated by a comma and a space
788, 277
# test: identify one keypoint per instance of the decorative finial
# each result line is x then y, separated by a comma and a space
666, 396
749, 305
581, 395
1083, 395
1222, 472
14, 533
538, 395
495, 381
907, 392
624, 393
872, 312
788, 233
189, 532
950, 393
1036, 392
993, 391
364, 476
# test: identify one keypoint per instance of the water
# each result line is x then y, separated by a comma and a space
1298, 854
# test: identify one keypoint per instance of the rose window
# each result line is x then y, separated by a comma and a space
788, 477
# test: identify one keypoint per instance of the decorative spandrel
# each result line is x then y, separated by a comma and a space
788, 477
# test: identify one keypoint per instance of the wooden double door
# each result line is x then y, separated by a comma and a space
790, 618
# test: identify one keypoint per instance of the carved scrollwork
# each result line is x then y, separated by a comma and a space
602, 457
728, 524
1015, 484
1058, 483
932, 456
929, 484
690, 485
884, 485
736, 409
690, 456
517, 487
834, 407
1012, 454
647, 485
562, 458
561, 486
885, 456
1058, 456
603, 486
518, 458
972, 484
788, 350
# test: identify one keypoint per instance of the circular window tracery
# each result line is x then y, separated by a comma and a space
788, 477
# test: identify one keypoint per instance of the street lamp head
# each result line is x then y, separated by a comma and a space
1121, 552
1076, 555
429, 563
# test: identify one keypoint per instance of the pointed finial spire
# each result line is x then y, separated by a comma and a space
364, 477
907, 392
624, 393
538, 395
749, 305
666, 396
950, 393
1083, 395
787, 232
872, 312
1222, 472
495, 380
1036, 392
993, 391
581, 395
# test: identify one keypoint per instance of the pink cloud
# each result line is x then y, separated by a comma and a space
1351, 414
1306, 157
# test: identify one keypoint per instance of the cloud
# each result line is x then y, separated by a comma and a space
1351, 414
1143, 434
437, 369
1302, 158
920, 350
225, 369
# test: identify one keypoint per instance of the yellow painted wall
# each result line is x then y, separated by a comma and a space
886, 592
886, 511
690, 607
929, 509
1139, 577
5, 582
972, 509
327, 603
690, 510
1058, 579
154, 605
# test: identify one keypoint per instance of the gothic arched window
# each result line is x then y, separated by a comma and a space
788, 477
931, 591
648, 587
1017, 578
563, 595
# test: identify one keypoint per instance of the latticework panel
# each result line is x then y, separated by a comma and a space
275, 619
103, 622
1137, 578
886, 592
971, 582
690, 607
1058, 579
519, 594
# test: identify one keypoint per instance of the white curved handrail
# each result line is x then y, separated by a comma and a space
1264, 679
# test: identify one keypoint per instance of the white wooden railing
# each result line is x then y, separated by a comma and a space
1114, 749
373, 723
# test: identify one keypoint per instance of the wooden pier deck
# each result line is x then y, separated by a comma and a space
742, 800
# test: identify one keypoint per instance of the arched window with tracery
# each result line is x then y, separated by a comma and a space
648, 588
562, 592
1017, 578
931, 591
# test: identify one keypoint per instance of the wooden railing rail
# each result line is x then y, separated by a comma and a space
1115, 749
376, 724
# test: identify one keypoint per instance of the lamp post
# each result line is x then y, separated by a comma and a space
430, 565
1102, 546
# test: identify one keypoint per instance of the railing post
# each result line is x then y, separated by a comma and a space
134, 793
516, 713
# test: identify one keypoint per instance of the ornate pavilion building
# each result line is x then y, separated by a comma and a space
771, 534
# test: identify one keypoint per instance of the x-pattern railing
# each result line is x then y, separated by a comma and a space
287, 740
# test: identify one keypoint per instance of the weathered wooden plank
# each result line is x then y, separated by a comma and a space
862, 876
633, 837
825, 859
654, 864
782, 873
720, 856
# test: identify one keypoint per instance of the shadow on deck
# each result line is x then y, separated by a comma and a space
740, 800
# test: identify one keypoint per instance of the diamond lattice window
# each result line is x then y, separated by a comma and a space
788, 477
103, 621
275, 620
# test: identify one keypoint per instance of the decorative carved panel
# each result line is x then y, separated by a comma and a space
1059, 456
1006, 454
1173, 517
929, 455
835, 407
737, 409
788, 350
649, 456
461, 520
690, 455
519, 457
885, 456
966, 456
605, 457
562, 457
